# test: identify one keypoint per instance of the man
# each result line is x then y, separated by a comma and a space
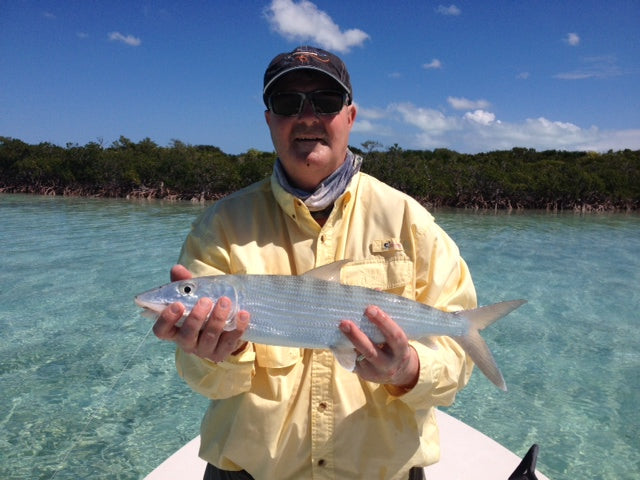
288, 413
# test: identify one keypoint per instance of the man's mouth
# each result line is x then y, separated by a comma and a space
310, 138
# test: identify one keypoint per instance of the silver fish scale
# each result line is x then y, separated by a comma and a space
305, 312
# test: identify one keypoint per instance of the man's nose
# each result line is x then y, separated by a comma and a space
307, 109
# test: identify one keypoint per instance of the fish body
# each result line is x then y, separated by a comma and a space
305, 311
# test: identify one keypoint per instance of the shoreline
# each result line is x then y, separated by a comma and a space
504, 180
161, 194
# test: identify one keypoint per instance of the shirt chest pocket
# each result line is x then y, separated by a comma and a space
393, 274
276, 357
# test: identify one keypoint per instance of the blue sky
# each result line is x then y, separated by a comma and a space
470, 76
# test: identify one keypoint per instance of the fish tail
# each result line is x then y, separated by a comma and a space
475, 345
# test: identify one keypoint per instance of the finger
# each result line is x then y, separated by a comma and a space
360, 341
165, 326
212, 330
179, 272
189, 332
230, 341
242, 322
394, 336
402, 366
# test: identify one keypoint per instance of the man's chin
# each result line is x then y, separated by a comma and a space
310, 145
312, 152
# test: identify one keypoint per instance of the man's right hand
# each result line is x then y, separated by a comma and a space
202, 332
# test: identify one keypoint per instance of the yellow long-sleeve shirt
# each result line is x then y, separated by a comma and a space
288, 413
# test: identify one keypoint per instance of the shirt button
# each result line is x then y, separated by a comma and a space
322, 238
322, 406
321, 462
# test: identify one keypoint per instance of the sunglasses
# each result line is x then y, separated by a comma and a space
324, 102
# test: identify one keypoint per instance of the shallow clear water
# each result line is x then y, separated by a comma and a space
82, 391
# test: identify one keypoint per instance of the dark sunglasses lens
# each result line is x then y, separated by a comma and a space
290, 103
328, 102
286, 103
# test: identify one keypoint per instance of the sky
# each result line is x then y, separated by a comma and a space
471, 76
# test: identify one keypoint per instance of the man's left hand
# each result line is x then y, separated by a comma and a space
394, 362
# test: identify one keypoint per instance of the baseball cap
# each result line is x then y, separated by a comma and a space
307, 58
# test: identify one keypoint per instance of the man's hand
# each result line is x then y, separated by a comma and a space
202, 332
394, 362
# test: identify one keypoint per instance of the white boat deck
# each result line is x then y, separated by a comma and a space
466, 454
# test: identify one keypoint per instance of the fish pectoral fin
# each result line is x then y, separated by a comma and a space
429, 341
329, 272
346, 355
230, 323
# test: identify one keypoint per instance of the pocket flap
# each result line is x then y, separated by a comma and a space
386, 245
276, 357
379, 272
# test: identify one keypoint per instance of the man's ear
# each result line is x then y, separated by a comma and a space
352, 113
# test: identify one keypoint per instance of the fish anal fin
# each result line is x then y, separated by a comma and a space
329, 272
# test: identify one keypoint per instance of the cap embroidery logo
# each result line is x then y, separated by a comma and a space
306, 57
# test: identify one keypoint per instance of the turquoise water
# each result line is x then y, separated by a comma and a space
83, 391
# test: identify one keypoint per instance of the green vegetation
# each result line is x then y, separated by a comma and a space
520, 178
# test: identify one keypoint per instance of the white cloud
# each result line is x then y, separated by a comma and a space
594, 67
480, 116
575, 75
539, 133
480, 131
427, 120
434, 64
466, 104
451, 10
523, 75
572, 39
370, 113
303, 21
128, 39
427, 128
372, 120
612, 140
364, 126
82, 35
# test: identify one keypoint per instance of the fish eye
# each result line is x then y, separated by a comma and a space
187, 288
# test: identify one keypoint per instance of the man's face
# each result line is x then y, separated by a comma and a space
310, 146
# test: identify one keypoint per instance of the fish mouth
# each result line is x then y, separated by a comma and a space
153, 310
148, 313
148, 308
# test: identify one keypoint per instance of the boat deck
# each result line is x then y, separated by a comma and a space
466, 454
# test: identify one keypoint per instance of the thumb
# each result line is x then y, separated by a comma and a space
178, 272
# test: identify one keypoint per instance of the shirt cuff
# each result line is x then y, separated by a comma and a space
444, 370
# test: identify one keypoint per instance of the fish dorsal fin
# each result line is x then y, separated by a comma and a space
329, 272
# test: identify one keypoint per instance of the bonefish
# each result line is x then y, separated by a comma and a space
304, 311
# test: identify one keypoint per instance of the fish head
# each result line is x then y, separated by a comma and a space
188, 292
157, 299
